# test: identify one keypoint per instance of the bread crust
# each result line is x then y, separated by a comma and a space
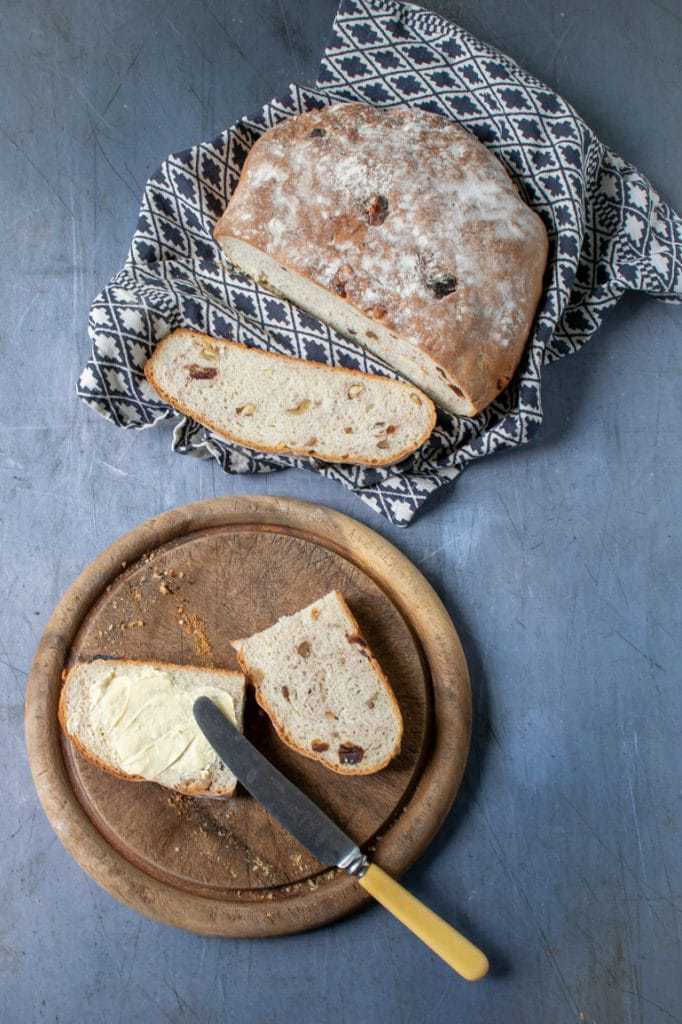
283, 449
286, 737
195, 789
465, 335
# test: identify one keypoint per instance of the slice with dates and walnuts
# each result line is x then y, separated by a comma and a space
316, 677
276, 403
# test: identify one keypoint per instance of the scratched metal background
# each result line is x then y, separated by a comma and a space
560, 563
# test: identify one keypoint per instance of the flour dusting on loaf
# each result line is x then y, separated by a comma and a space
315, 675
401, 229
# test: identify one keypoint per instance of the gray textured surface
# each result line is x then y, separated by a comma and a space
560, 563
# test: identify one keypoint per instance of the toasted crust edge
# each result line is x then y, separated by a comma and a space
289, 740
283, 449
195, 790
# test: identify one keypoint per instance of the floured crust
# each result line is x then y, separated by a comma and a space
192, 789
410, 221
275, 359
252, 676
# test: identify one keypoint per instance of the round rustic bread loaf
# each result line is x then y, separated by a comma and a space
400, 229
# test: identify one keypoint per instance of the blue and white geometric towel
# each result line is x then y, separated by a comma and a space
609, 232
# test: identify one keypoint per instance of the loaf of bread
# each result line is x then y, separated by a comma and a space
134, 719
316, 677
401, 230
275, 403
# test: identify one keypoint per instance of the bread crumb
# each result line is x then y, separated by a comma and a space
134, 624
196, 631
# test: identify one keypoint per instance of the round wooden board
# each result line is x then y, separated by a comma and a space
178, 588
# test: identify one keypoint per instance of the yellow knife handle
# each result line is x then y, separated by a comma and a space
436, 933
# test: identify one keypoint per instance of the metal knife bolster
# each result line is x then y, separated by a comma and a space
355, 863
280, 797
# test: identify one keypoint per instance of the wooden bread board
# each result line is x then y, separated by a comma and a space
178, 588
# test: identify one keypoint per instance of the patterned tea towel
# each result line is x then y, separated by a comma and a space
609, 232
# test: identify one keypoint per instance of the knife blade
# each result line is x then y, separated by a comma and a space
300, 816
280, 797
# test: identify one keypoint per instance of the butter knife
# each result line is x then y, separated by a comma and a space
329, 844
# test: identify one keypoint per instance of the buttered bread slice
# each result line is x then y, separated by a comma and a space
316, 677
134, 719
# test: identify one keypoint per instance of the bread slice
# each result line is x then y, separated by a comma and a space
275, 403
134, 719
323, 689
